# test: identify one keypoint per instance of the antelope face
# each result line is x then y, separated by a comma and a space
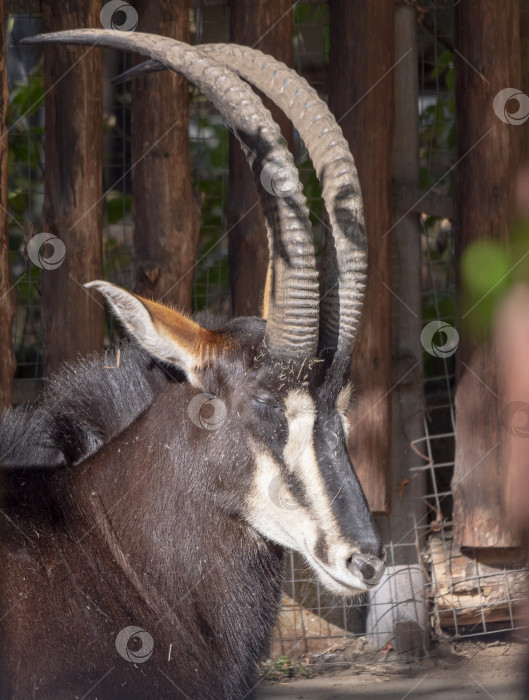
304, 493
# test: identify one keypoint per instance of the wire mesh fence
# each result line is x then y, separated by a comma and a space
476, 598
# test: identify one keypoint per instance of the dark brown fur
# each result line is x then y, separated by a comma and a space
144, 533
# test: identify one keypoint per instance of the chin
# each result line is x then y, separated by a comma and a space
342, 583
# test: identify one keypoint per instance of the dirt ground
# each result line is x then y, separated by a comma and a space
452, 671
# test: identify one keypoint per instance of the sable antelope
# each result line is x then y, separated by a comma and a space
132, 521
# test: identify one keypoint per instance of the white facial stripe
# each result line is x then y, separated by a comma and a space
300, 413
300, 458
296, 527
286, 521
267, 514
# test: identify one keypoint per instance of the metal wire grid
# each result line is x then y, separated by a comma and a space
313, 621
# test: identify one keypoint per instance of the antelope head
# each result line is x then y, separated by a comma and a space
280, 383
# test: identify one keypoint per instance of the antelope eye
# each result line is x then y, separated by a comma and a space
266, 401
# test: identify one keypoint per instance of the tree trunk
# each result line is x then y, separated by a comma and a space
7, 293
361, 98
266, 26
488, 152
73, 319
166, 214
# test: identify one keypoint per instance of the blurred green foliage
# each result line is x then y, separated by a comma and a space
488, 269
437, 125
25, 147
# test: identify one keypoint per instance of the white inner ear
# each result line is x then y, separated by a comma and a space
137, 320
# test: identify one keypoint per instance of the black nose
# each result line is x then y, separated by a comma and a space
368, 568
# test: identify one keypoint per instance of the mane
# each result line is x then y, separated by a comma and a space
84, 405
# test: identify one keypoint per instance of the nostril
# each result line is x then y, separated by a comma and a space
367, 567
367, 570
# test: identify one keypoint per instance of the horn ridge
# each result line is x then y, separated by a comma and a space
344, 263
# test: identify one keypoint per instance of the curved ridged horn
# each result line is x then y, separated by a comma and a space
292, 324
345, 258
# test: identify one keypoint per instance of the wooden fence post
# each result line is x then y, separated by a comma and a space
7, 294
166, 213
361, 98
407, 510
266, 26
487, 61
72, 318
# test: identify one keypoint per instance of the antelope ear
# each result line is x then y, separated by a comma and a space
163, 332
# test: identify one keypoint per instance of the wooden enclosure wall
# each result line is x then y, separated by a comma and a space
73, 81
166, 212
407, 395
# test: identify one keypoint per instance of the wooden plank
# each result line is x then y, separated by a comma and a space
166, 213
7, 293
361, 98
467, 591
268, 27
511, 334
72, 318
407, 507
488, 153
